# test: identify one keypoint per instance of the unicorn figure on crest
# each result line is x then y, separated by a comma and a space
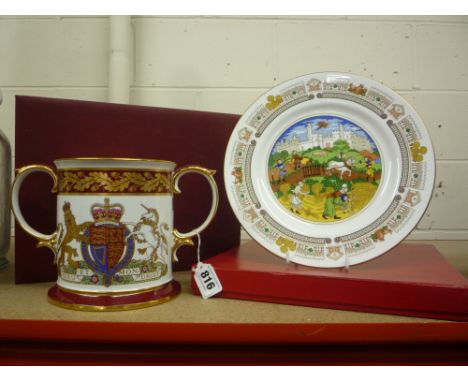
150, 234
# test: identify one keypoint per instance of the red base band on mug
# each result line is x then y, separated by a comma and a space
112, 302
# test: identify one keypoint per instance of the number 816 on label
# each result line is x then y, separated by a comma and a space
207, 281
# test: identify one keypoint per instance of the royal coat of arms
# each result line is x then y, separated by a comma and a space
109, 247
108, 251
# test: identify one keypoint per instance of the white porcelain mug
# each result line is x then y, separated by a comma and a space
115, 240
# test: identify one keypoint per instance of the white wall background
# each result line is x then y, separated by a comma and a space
223, 64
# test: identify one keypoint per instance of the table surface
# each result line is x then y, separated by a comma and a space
25, 315
28, 302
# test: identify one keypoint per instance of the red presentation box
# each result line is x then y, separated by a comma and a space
409, 280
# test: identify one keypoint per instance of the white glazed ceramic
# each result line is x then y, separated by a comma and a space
115, 229
329, 169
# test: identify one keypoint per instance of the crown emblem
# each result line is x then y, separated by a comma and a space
107, 213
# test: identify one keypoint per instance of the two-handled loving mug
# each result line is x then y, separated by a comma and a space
115, 240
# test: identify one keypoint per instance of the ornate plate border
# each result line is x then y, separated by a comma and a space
402, 215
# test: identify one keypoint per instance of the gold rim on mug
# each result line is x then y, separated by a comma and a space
110, 308
117, 293
116, 159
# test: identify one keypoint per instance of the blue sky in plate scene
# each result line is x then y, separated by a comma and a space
334, 123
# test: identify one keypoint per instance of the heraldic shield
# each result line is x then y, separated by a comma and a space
109, 247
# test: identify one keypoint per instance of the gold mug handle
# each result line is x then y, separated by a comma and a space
180, 238
49, 241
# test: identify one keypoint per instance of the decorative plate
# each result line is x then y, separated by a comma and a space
329, 170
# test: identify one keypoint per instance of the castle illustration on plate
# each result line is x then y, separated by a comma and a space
324, 168
323, 140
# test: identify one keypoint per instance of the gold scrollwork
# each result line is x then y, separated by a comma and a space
179, 241
48, 241
114, 181
51, 242
180, 238
184, 170
40, 168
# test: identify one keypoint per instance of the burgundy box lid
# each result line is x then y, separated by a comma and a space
47, 129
